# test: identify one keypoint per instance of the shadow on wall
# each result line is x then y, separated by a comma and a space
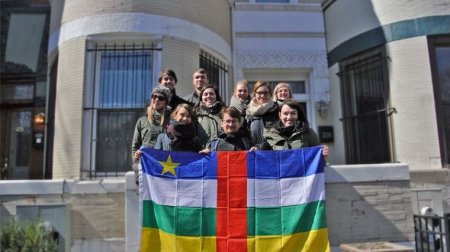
364, 206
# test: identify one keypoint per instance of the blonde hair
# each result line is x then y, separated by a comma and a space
152, 110
278, 86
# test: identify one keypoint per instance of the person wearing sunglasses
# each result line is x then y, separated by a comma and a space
262, 111
152, 124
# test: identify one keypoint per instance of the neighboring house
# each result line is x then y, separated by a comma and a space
389, 66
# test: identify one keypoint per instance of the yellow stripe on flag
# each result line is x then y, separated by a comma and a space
157, 240
316, 240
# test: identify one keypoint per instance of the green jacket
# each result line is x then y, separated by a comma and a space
145, 133
295, 139
208, 126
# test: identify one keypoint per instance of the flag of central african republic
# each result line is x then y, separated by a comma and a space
233, 201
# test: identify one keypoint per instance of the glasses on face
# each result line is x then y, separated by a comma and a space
159, 97
262, 93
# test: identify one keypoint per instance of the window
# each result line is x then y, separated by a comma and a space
217, 72
366, 110
440, 53
118, 91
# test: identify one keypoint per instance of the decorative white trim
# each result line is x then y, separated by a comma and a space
132, 23
315, 60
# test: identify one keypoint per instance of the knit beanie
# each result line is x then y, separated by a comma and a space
163, 91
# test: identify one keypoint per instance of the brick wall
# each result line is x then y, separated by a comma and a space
69, 110
411, 94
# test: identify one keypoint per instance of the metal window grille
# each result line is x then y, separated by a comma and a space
121, 86
365, 94
432, 233
217, 71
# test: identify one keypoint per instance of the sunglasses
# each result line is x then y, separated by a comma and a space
159, 97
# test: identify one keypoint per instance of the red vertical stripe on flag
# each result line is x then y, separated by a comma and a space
231, 227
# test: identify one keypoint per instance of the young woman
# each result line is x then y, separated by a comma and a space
281, 92
207, 110
180, 134
292, 130
232, 138
262, 112
241, 97
150, 126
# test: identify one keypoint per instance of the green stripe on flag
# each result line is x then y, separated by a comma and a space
194, 221
188, 221
286, 220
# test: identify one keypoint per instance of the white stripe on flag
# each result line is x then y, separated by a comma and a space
180, 192
260, 192
286, 191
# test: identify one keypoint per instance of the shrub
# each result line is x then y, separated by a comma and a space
31, 236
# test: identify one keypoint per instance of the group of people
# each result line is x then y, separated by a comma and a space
202, 123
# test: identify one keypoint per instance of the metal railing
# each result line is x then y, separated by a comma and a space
432, 233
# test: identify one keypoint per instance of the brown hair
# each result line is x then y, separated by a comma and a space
200, 71
218, 98
259, 84
188, 109
231, 111
168, 72
295, 105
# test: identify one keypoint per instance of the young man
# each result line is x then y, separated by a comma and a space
168, 79
231, 137
199, 79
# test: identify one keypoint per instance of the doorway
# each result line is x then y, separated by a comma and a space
16, 142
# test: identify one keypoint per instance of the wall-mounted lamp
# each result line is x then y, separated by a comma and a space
39, 121
322, 107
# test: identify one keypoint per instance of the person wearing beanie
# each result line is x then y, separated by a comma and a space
151, 125
168, 79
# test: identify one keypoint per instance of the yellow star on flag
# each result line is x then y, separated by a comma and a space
169, 166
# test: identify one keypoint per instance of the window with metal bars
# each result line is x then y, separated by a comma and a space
117, 93
366, 111
439, 47
217, 72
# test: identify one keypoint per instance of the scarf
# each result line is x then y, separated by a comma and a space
211, 110
180, 131
288, 131
258, 109
241, 106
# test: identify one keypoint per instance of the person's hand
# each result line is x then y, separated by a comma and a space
137, 155
205, 151
253, 148
325, 151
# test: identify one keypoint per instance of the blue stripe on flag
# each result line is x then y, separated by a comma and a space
285, 164
260, 164
191, 165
